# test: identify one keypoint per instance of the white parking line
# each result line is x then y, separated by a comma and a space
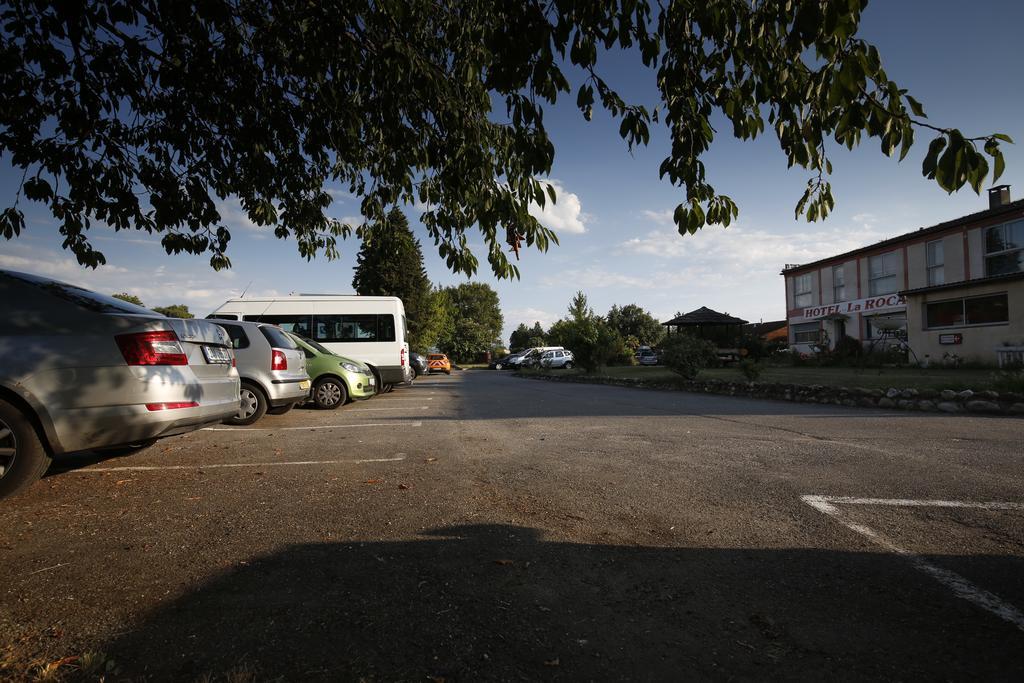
366, 410
960, 586
310, 427
908, 502
150, 468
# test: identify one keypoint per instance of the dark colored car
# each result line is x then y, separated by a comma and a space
501, 363
418, 364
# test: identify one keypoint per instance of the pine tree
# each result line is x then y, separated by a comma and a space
390, 263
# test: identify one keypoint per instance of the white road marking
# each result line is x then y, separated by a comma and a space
366, 410
960, 586
908, 502
150, 468
310, 427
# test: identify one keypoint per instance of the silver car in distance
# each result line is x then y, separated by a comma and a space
83, 371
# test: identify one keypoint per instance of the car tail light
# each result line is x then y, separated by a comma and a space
159, 347
279, 361
171, 406
401, 358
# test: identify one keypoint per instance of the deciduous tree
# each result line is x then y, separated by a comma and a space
130, 298
147, 115
632, 321
174, 311
476, 320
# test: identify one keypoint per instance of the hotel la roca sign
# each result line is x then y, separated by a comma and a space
868, 306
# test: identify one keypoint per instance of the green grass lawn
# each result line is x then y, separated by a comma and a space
872, 378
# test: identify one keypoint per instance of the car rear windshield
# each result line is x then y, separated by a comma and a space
434, 356
277, 337
316, 346
84, 298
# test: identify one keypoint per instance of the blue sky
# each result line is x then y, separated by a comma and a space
962, 61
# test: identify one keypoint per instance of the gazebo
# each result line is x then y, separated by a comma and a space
721, 329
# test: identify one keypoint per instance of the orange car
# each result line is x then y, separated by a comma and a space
438, 362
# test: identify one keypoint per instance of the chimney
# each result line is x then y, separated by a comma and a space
998, 196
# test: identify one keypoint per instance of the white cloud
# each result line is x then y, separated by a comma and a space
564, 215
744, 249
529, 316
660, 217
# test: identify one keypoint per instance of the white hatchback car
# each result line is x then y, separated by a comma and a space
83, 371
561, 358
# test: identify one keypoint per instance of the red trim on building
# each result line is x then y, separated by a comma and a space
919, 236
967, 256
906, 269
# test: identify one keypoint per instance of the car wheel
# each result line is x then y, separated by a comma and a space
280, 410
568, 365
329, 393
252, 407
447, 372
23, 459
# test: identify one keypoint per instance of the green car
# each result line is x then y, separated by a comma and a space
336, 379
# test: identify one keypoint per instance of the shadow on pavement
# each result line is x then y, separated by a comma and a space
497, 602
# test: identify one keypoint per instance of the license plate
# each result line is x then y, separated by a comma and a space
216, 354
304, 384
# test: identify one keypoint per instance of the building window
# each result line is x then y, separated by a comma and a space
1004, 249
838, 284
802, 295
936, 263
979, 310
807, 333
882, 274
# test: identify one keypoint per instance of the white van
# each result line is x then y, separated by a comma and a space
371, 329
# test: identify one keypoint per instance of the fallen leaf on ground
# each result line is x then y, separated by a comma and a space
405, 486
194, 498
430, 460
121, 481
552, 662
374, 481
504, 563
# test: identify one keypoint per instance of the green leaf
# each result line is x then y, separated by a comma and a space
931, 158
916, 107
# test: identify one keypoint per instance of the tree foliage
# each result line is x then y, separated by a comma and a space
174, 311
632, 321
147, 115
476, 320
687, 355
390, 263
524, 337
130, 298
593, 342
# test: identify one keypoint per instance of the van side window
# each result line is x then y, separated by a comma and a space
354, 328
297, 324
239, 340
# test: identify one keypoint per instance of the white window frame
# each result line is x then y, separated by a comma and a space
797, 332
963, 316
1017, 225
803, 290
882, 273
935, 260
838, 284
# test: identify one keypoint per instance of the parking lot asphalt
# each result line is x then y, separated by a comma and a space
483, 526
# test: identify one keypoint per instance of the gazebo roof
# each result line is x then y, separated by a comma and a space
704, 316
